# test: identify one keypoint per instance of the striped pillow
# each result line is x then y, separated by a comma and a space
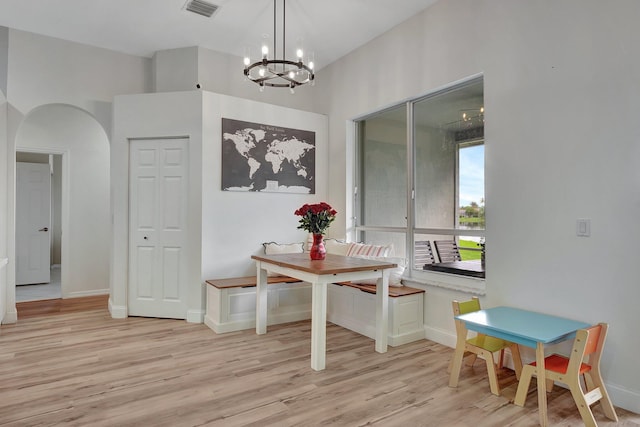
356, 249
395, 275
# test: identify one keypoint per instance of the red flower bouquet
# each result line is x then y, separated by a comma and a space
316, 218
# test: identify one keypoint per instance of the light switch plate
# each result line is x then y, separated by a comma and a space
583, 227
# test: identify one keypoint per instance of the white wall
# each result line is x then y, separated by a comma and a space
3, 209
235, 224
4, 58
180, 69
561, 103
44, 71
226, 228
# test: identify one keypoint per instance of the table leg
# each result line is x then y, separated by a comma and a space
261, 299
542, 387
318, 325
382, 312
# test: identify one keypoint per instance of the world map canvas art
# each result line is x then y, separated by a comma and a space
259, 157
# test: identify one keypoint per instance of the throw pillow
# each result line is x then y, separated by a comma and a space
395, 276
357, 249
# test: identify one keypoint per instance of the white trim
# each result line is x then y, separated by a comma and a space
92, 293
624, 398
440, 336
195, 316
471, 285
430, 92
11, 316
117, 311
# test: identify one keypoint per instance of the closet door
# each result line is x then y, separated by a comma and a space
158, 208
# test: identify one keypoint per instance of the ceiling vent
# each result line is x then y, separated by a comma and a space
201, 7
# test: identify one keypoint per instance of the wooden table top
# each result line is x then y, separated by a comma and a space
332, 264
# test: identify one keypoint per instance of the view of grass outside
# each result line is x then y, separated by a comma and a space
468, 254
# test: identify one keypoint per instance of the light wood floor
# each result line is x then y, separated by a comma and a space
82, 368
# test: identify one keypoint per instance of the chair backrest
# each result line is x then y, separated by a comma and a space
588, 346
423, 254
447, 250
465, 307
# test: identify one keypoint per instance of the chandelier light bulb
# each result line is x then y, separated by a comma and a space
261, 71
247, 61
299, 54
310, 61
291, 74
265, 50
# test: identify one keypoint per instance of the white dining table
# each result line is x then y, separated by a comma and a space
333, 269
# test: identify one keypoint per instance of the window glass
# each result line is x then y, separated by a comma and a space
383, 169
449, 156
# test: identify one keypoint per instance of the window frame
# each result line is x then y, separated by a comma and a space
414, 276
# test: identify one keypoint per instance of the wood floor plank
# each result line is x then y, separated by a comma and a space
79, 367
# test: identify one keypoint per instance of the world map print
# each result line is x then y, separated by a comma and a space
259, 157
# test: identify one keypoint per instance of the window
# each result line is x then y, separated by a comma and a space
420, 176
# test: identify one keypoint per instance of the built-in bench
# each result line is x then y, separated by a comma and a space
231, 305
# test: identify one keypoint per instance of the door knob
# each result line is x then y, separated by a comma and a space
44, 229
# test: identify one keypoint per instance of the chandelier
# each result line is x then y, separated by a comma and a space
279, 72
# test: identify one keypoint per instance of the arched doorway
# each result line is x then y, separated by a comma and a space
83, 145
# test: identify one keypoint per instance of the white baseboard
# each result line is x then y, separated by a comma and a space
440, 336
87, 293
624, 398
11, 316
195, 316
117, 311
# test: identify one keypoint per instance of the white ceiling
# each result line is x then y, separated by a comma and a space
329, 28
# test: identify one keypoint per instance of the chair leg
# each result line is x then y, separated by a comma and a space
517, 360
456, 365
594, 379
523, 385
501, 359
471, 359
583, 406
549, 385
491, 371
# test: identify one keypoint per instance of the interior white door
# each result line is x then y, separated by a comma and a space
158, 208
33, 222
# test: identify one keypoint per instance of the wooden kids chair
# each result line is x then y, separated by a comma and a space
584, 360
482, 345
